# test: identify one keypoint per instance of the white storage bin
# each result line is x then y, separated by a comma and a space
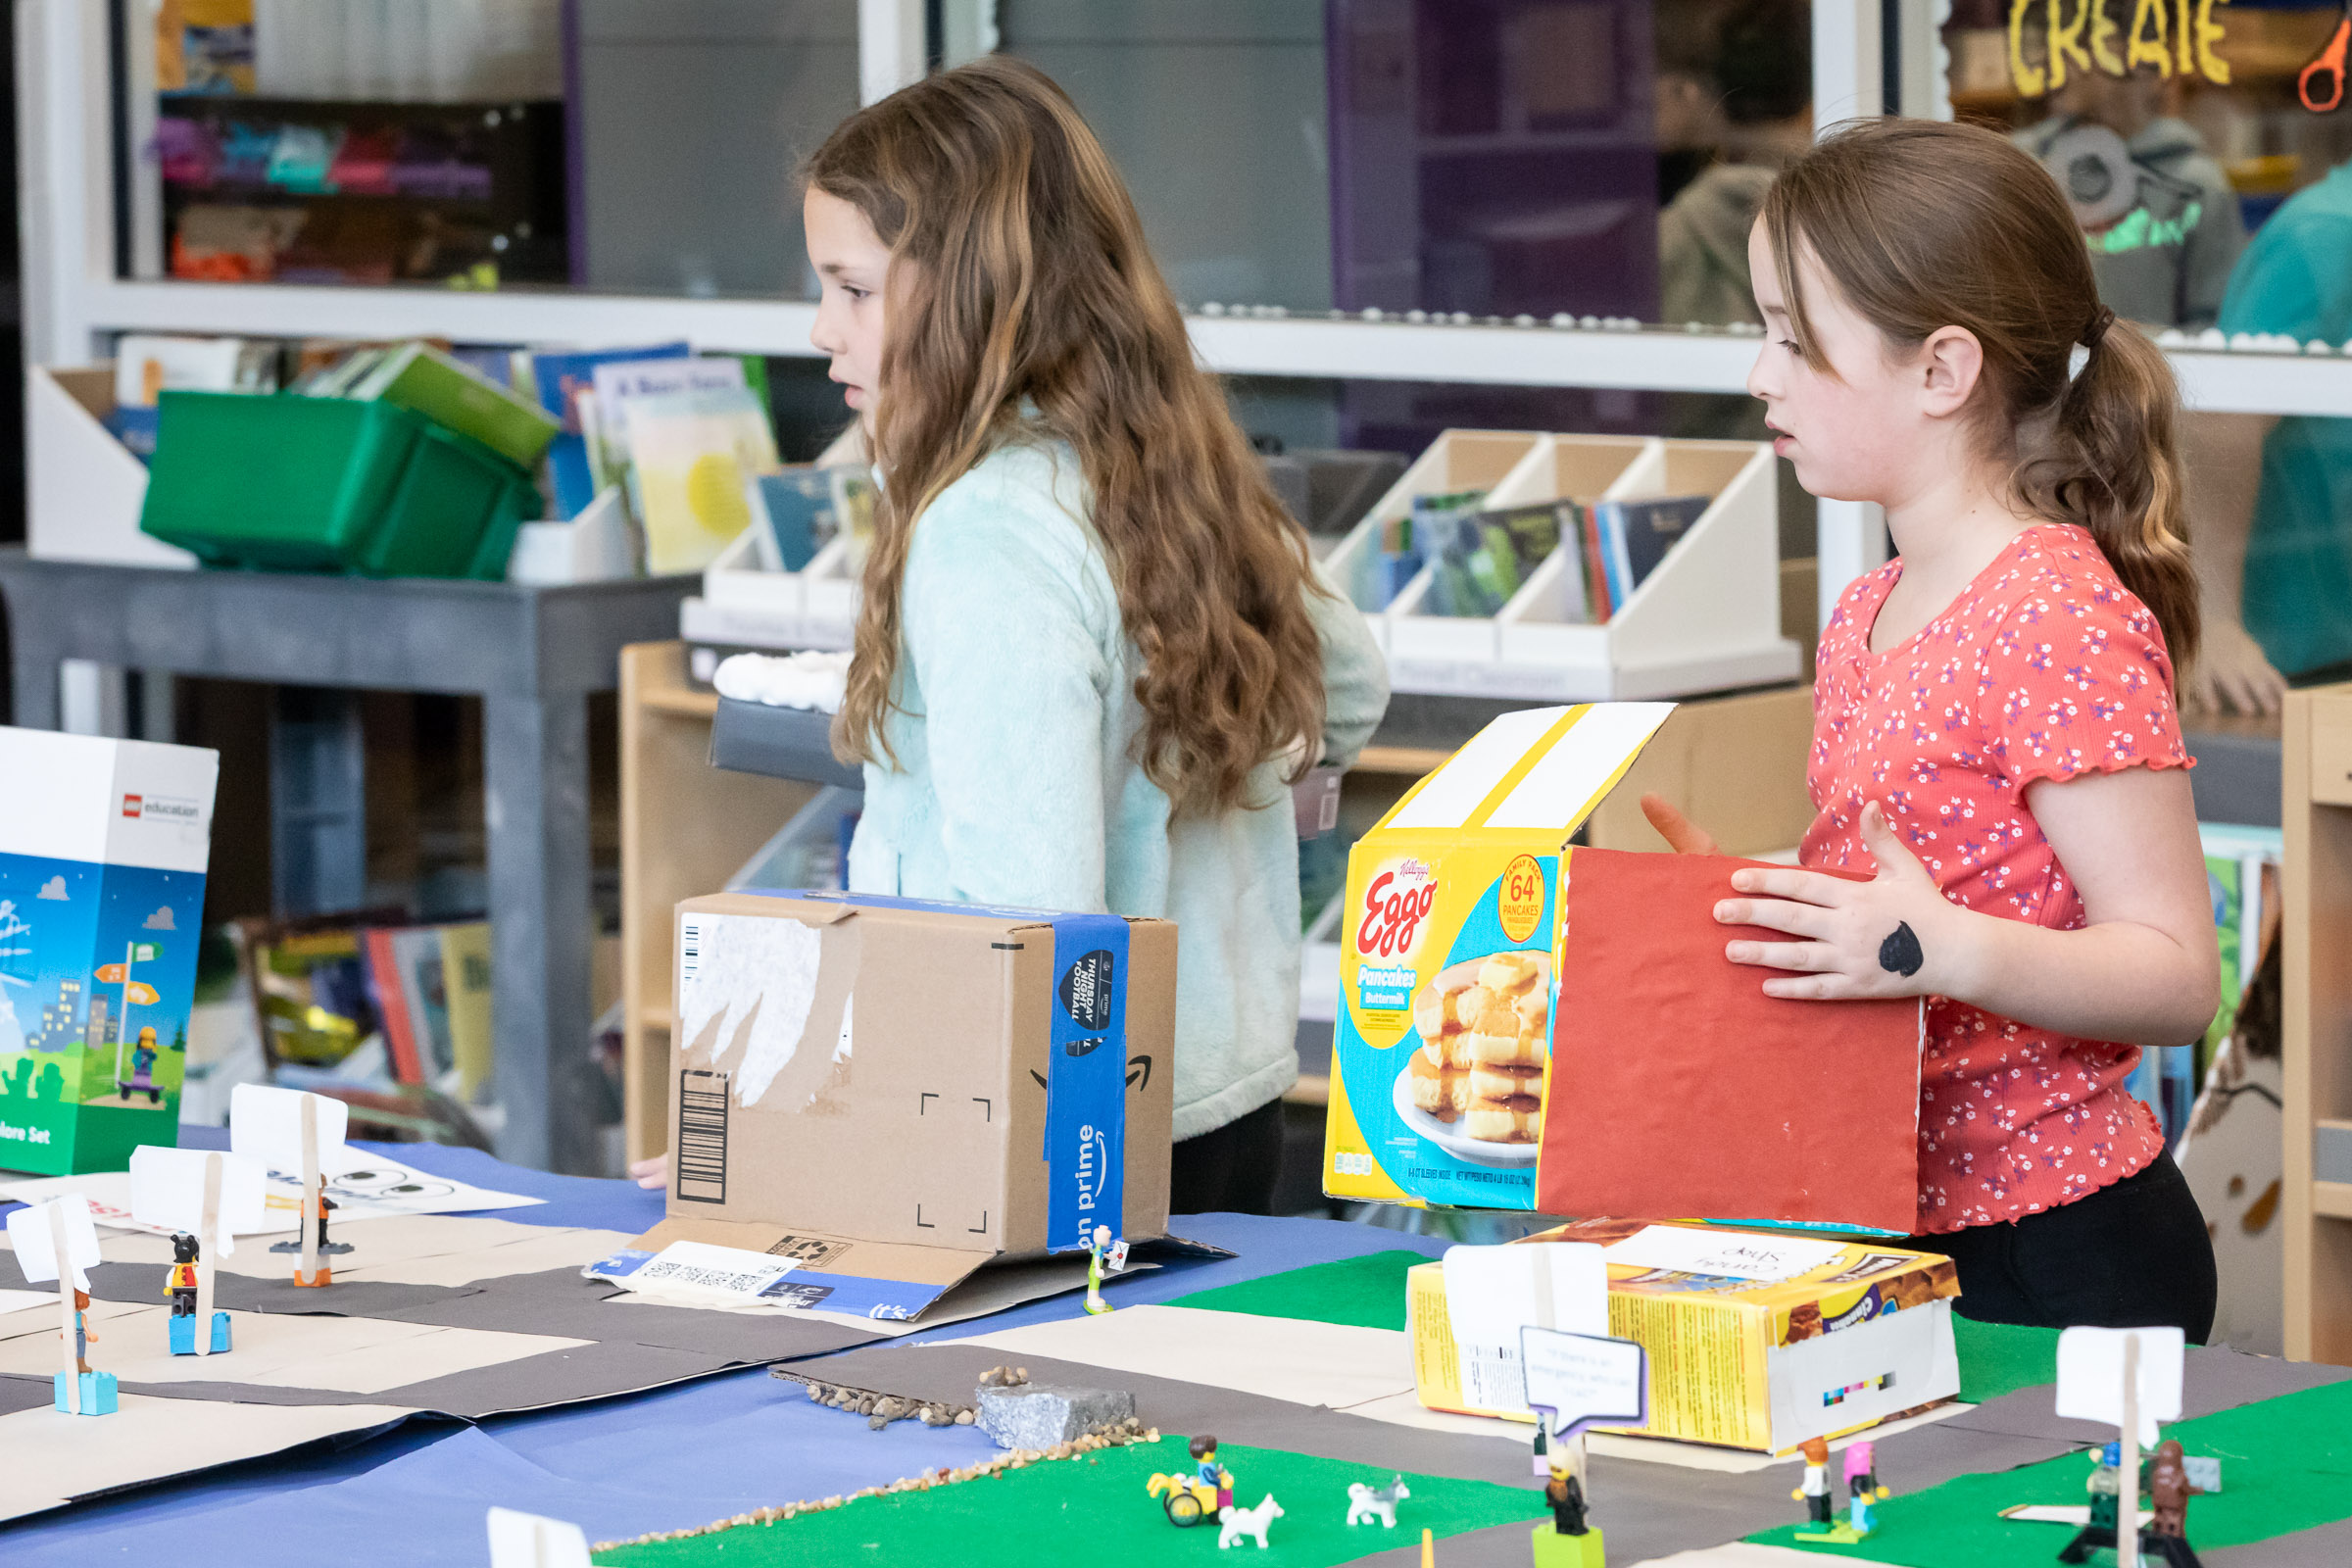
85, 490
1706, 618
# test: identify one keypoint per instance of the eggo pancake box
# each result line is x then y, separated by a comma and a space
1448, 963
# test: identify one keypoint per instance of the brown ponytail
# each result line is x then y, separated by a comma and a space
1923, 224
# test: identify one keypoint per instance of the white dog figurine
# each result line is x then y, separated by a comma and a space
1240, 1521
1364, 1504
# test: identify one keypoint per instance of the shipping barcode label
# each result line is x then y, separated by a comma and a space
1493, 1378
691, 937
699, 1268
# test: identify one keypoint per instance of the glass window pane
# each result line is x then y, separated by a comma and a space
628, 145
2176, 130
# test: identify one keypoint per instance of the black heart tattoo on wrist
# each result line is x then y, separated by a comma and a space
1899, 954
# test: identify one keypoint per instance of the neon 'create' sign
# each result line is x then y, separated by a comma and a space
2169, 36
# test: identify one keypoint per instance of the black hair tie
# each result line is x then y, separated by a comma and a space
2098, 329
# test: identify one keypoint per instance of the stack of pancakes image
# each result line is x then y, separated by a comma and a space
1481, 1062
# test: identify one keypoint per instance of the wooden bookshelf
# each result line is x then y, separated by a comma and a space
685, 828
2317, 1037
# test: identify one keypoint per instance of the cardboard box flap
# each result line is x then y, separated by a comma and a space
840, 1273
1541, 768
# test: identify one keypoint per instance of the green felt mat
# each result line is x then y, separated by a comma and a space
1096, 1510
2285, 1466
1366, 1293
1997, 1358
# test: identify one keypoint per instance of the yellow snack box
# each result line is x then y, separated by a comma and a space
1861, 1336
1448, 960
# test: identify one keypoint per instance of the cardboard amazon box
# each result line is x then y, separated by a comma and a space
1526, 1021
1861, 1336
895, 1093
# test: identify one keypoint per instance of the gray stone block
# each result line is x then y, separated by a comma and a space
1033, 1415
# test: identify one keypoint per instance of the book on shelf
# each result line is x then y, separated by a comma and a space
1599, 601
1480, 559
147, 363
690, 454
431, 986
557, 377
1634, 536
424, 380
798, 511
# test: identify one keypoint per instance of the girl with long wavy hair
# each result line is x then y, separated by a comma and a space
1995, 729
1094, 651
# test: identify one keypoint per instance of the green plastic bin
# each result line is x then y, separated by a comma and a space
327, 484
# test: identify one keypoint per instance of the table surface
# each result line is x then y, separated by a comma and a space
666, 1459
672, 1457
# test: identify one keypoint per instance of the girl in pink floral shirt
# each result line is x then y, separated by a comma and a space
1994, 734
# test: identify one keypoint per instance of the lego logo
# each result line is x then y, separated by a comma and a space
130, 806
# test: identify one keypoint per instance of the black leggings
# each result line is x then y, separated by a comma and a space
1228, 1169
2135, 1254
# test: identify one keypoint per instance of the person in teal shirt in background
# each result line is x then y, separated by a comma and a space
2274, 512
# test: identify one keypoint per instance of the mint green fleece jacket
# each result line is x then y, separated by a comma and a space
1016, 781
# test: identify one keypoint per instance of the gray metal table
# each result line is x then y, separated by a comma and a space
532, 655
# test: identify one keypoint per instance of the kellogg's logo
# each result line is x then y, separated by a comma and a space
1395, 909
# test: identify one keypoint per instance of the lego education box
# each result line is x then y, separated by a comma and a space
1448, 960
1756, 1339
894, 1093
103, 847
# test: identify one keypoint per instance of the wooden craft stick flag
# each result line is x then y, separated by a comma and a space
210, 1194
57, 1241
1678, 1088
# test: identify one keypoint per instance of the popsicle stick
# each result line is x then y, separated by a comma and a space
2127, 1473
312, 1190
64, 1301
208, 1251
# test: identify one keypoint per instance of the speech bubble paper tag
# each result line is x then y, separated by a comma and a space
1580, 1379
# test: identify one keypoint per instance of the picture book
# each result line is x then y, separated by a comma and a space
558, 378
690, 453
424, 380
1637, 534
798, 511
1480, 559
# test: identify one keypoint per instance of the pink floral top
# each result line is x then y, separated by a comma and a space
2045, 667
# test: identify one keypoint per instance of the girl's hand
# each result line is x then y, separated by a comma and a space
652, 1173
1682, 835
1892, 936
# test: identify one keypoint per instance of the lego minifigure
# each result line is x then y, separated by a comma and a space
2166, 1535
179, 1280
1567, 1499
1862, 1488
1571, 1540
327, 1206
1815, 1489
1211, 1473
83, 1339
1097, 1244
2105, 1486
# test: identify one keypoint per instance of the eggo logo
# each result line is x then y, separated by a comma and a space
1396, 903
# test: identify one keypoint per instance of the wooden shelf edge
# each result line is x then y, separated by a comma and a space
683, 704
2331, 1199
1411, 761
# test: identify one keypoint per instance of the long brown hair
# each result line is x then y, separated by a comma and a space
1019, 273
1924, 224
